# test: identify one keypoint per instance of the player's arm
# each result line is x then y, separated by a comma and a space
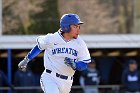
83, 58
33, 53
42, 43
80, 65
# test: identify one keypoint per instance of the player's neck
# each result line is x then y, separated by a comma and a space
67, 36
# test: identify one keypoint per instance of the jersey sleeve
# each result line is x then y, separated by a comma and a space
84, 53
43, 42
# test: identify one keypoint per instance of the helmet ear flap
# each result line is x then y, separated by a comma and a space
66, 28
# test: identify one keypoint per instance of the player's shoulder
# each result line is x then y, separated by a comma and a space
47, 36
42, 39
52, 35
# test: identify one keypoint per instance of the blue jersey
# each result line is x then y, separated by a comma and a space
131, 80
91, 77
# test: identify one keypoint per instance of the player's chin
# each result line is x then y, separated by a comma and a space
75, 36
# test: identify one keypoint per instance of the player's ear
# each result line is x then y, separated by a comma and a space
65, 28
71, 26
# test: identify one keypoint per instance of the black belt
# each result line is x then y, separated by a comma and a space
59, 75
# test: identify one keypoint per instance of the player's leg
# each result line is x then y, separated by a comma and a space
48, 84
64, 85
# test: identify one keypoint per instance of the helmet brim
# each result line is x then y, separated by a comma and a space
81, 22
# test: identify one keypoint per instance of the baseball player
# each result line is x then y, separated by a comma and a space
65, 52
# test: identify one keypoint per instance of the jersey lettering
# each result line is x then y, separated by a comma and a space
64, 50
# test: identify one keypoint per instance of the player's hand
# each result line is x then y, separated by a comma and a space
23, 64
70, 62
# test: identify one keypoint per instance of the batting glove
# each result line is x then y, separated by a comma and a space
70, 62
23, 64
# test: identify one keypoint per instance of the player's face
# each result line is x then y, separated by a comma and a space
92, 65
132, 67
75, 30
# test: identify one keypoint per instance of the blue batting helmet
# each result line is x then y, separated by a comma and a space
67, 20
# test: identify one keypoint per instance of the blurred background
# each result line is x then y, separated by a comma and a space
111, 31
